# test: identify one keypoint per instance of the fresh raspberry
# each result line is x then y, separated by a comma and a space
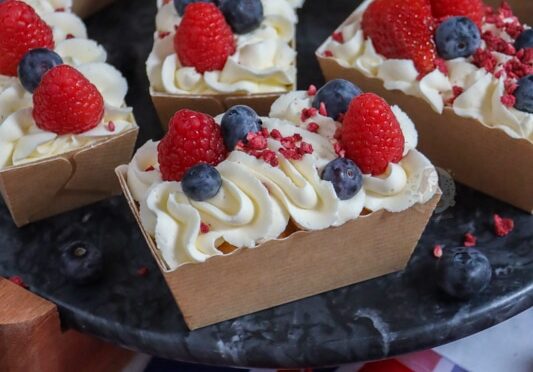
473, 9
204, 40
371, 134
402, 29
65, 102
192, 138
21, 30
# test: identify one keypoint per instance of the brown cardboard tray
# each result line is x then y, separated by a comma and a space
286, 270
85, 8
51, 186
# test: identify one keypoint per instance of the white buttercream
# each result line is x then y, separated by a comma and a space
263, 62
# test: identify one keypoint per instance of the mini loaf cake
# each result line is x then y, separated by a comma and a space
238, 47
57, 93
215, 185
457, 54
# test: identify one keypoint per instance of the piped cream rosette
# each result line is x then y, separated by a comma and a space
258, 202
481, 99
264, 60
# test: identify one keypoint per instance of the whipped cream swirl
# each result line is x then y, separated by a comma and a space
482, 91
263, 62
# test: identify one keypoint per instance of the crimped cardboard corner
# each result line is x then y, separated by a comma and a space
166, 105
484, 158
51, 186
85, 8
282, 271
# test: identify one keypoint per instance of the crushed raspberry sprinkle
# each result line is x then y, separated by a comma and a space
484, 59
163, 34
276, 134
18, 281
313, 127
294, 148
204, 228
328, 53
322, 109
341, 153
142, 271
440, 64
457, 91
502, 226
311, 91
111, 126
150, 169
508, 100
497, 44
308, 113
437, 251
70, 36
470, 240
256, 146
337, 36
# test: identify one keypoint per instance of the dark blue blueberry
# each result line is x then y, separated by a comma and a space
201, 182
463, 272
34, 65
524, 94
242, 15
182, 4
525, 40
82, 262
457, 37
345, 176
236, 123
336, 95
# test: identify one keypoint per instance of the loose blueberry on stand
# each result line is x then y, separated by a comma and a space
34, 65
236, 123
336, 95
201, 182
82, 262
463, 272
524, 94
242, 15
345, 176
457, 37
181, 4
525, 40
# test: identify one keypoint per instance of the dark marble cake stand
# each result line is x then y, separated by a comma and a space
395, 314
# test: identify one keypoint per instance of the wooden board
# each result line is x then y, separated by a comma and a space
31, 338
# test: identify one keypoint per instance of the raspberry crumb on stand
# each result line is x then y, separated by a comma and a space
502, 226
470, 240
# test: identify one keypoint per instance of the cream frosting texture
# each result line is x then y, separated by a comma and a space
257, 201
21, 141
482, 91
263, 62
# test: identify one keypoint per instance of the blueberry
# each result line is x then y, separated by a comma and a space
236, 123
201, 182
242, 15
82, 262
34, 65
524, 94
457, 37
346, 177
336, 95
182, 4
525, 40
463, 272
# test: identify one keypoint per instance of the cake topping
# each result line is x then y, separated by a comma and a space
181, 4
371, 134
242, 15
201, 182
472, 9
470, 240
402, 30
21, 30
525, 40
204, 40
236, 123
65, 102
502, 226
524, 94
34, 65
457, 37
192, 138
335, 96
345, 176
